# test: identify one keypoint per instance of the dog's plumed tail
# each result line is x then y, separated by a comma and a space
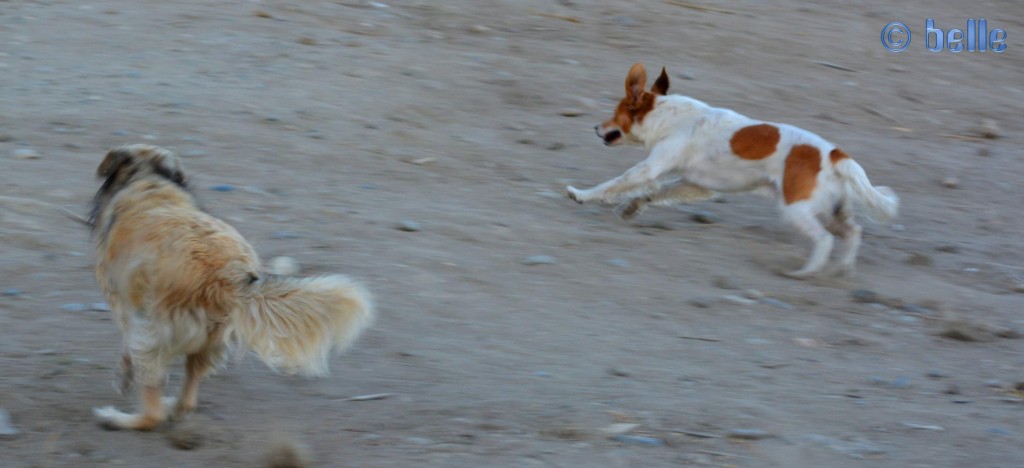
294, 324
882, 202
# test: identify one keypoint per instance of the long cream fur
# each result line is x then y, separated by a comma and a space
183, 283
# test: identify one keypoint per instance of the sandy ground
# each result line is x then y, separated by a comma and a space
336, 121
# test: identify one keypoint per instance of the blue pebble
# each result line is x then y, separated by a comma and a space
639, 440
901, 382
12, 292
541, 374
223, 188
999, 431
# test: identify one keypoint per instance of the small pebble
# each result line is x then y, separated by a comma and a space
541, 374
724, 282
283, 266
26, 153
618, 372
571, 112
479, 29
285, 452
984, 152
223, 188
748, 434
704, 217
951, 182
408, 226
368, 186
952, 389
73, 307
948, 249
284, 235
919, 259
864, 296
618, 262
937, 374
539, 260
11, 292
556, 146
99, 307
901, 383
185, 436
7, 429
924, 427
754, 294
776, 303
989, 129
639, 440
195, 153
999, 431
738, 300
686, 75
419, 440
701, 302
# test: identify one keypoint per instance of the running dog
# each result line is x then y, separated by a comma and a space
183, 283
697, 150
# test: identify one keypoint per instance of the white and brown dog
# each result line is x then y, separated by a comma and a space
697, 150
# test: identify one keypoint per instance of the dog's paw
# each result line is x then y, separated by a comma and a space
630, 209
575, 194
109, 418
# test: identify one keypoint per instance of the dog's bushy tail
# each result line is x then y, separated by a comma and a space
295, 324
883, 204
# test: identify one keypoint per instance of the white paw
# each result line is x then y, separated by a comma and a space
111, 418
575, 194
169, 402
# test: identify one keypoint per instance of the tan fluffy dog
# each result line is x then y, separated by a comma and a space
183, 283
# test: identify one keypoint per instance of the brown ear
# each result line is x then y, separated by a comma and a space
660, 86
636, 81
115, 159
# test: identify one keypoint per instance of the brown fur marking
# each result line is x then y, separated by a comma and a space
837, 155
755, 141
801, 173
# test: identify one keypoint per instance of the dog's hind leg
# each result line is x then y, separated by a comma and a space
197, 366
802, 216
669, 194
849, 231
149, 365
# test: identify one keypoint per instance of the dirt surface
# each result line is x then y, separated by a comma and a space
330, 123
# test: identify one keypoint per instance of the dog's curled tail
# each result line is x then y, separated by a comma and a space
883, 204
295, 324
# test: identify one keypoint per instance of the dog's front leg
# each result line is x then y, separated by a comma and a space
678, 191
638, 180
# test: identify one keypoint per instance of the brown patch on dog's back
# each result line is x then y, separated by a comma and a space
801, 173
755, 141
837, 155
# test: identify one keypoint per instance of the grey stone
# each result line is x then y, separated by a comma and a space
864, 296
99, 307
539, 260
26, 153
11, 292
856, 448
73, 307
7, 429
705, 217
618, 262
639, 440
408, 226
701, 302
777, 303
223, 188
281, 235
748, 434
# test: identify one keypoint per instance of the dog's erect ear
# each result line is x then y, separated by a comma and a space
114, 160
636, 81
660, 86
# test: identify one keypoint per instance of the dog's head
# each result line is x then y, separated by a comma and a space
128, 163
634, 107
